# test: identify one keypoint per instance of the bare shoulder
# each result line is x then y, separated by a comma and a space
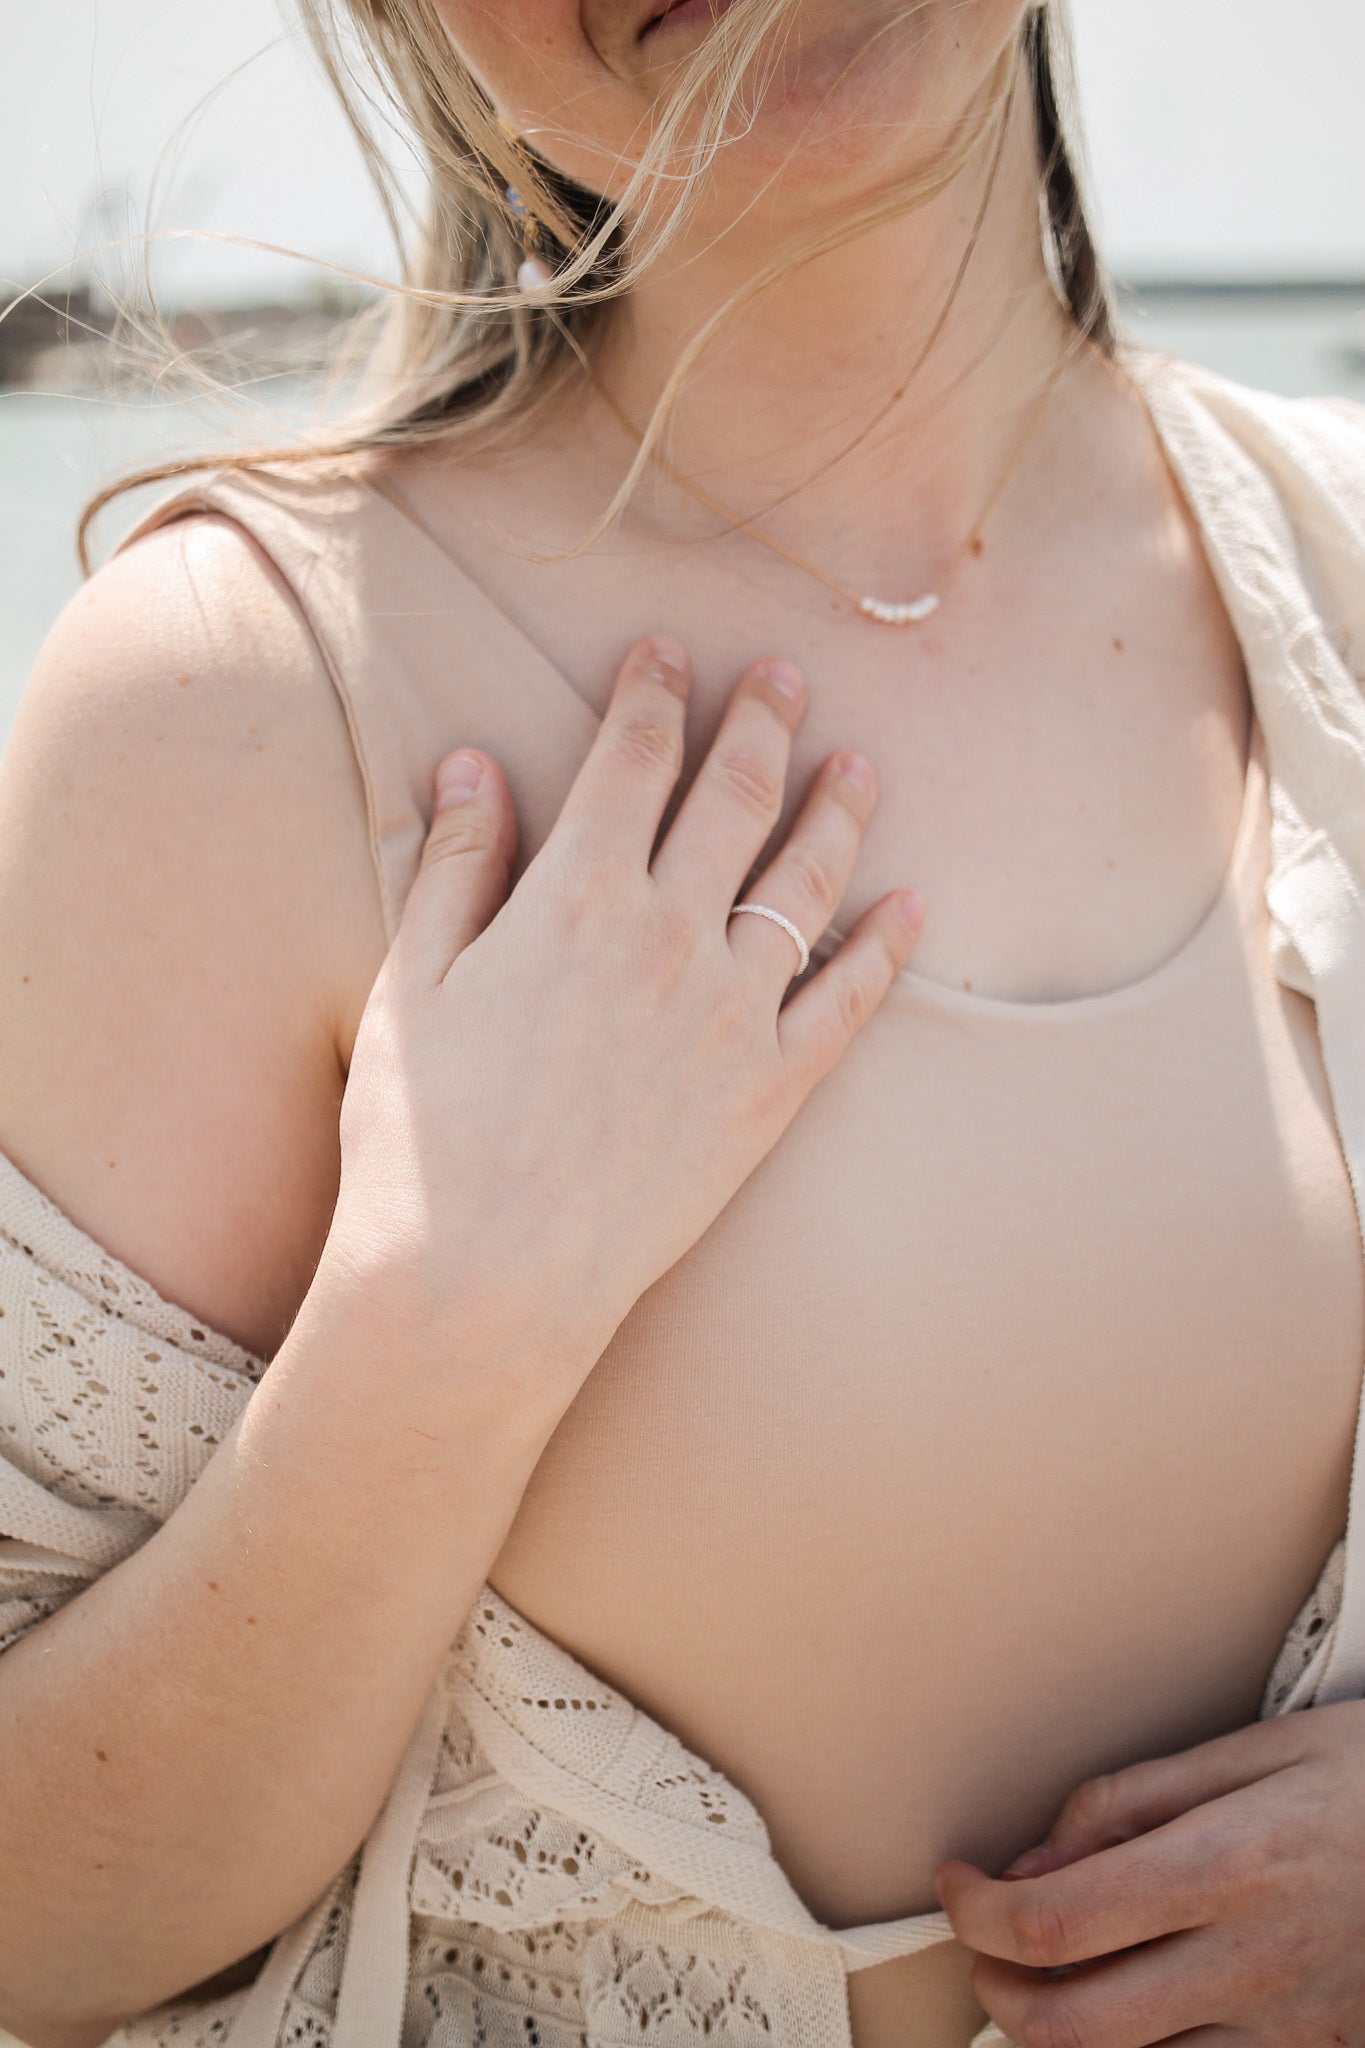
189, 921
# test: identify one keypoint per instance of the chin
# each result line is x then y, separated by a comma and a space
859, 94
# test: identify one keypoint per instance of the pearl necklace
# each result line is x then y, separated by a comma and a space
534, 276
882, 611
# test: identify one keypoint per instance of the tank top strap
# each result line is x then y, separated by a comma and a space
421, 660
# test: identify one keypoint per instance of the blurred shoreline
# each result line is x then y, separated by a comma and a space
73, 343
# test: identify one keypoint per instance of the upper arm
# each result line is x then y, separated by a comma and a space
188, 922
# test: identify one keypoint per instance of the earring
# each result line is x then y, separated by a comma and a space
533, 272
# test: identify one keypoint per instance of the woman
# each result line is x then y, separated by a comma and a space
866, 1440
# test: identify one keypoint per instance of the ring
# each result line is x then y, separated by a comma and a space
762, 910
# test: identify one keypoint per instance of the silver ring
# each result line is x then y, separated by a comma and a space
762, 910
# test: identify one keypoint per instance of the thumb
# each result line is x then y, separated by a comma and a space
466, 861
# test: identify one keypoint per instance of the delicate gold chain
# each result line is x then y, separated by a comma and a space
534, 273
878, 609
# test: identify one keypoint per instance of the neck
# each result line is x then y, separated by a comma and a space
807, 412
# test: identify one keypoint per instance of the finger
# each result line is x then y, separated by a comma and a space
1129, 2001
735, 798
806, 879
815, 1027
466, 862
1177, 1877
1213, 2037
1113, 1808
618, 796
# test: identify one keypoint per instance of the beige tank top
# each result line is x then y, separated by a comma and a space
997, 1429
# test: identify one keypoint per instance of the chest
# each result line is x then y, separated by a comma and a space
1059, 751
995, 1430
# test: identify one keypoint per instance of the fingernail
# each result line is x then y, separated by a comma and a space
665, 662
856, 771
457, 778
910, 909
668, 652
784, 679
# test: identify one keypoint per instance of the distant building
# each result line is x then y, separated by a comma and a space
48, 320
76, 340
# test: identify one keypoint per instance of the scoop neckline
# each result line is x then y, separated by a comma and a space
1185, 955
1143, 364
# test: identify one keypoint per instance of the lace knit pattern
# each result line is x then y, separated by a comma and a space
526, 1926
1304, 1650
112, 1401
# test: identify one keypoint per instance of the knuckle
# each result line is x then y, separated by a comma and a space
852, 797
1041, 1931
751, 779
1091, 1804
1244, 1870
1050, 2023
584, 890
671, 943
810, 871
649, 740
855, 1005
582, 861
575, 897
458, 835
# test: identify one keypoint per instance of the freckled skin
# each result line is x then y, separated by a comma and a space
580, 80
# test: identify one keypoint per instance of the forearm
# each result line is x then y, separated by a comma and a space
193, 1748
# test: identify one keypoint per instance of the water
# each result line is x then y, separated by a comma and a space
1305, 346
54, 452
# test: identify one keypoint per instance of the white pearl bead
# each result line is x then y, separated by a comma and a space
900, 614
533, 275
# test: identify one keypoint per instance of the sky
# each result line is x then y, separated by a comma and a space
1225, 136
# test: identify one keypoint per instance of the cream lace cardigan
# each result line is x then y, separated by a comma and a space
552, 1869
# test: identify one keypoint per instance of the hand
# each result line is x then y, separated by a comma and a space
550, 1101
1214, 1898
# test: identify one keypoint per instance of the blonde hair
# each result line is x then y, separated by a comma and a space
456, 350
